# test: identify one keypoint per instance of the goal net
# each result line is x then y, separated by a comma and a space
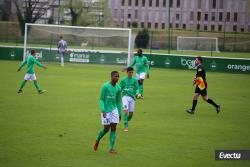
84, 44
197, 43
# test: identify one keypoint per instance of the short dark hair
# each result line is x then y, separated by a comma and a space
114, 72
130, 69
32, 52
139, 50
199, 58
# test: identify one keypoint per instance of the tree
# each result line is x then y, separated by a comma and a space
142, 38
31, 13
77, 8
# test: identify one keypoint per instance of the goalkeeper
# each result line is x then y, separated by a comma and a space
62, 49
130, 90
30, 75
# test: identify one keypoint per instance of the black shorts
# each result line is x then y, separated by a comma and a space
201, 92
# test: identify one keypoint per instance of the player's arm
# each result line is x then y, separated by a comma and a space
39, 64
21, 65
132, 63
119, 103
102, 99
199, 73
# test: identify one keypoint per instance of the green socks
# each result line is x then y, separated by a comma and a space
125, 120
130, 117
22, 84
100, 135
141, 89
112, 139
37, 86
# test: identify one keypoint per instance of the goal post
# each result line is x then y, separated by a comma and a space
209, 44
85, 44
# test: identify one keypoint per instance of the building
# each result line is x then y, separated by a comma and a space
202, 15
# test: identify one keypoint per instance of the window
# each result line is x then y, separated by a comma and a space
162, 25
123, 2
213, 16
199, 16
164, 3
228, 16
143, 2
129, 3
220, 16
150, 3
198, 26
235, 17
199, 4
177, 17
191, 15
178, 3
136, 2
115, 13
205, 27
129, 24
242, 30
214, 4
184, 26
212, 27
235, 28
142, 24
157, 3
171, 3
221, 4
136, 14
176, 25
206, 17
129, 15
156, 25
220, 28
149, 25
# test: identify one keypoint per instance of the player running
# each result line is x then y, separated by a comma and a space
110, 103
30, 74
201, 87
130, 90
142, 69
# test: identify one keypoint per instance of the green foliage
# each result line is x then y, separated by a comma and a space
142, 39
59, 127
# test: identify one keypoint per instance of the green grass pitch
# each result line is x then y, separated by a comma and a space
58, 128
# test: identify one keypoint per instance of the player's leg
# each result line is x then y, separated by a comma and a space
106, 123
26, 78
125, 109
131, 108
20, 91
195, 100
38, 88
112, 138
210, 101
114, 120
140, 81
62, 59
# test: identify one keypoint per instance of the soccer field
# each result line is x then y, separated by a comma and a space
58, 128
